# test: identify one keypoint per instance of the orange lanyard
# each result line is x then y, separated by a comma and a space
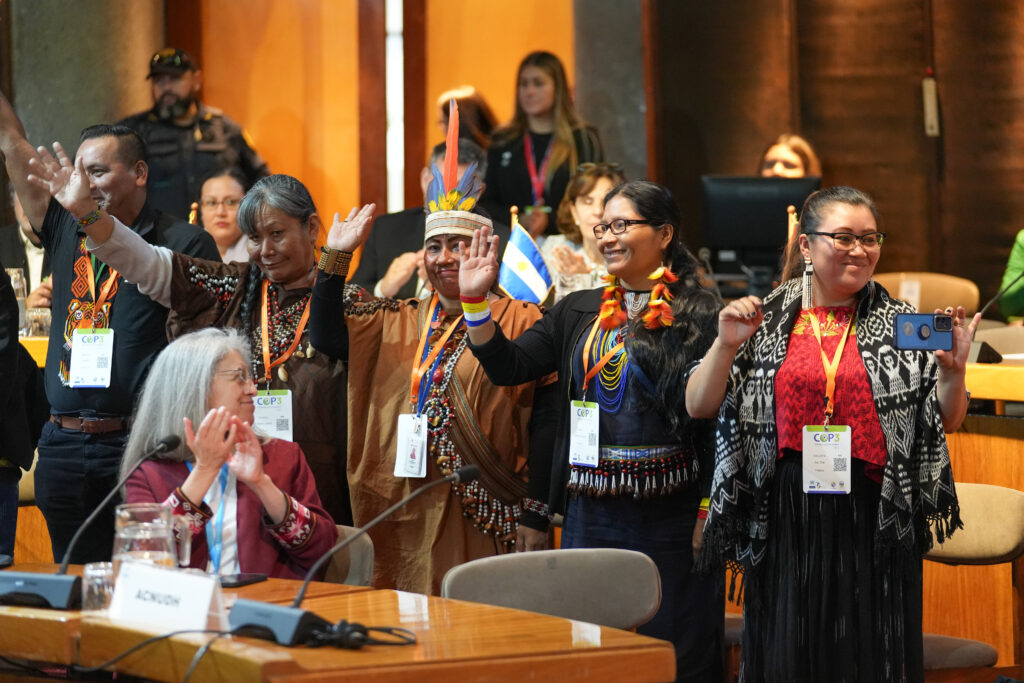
831, 367
97, 305
265, 333
600, 363
418, 370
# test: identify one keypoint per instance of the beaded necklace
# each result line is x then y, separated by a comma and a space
282, 322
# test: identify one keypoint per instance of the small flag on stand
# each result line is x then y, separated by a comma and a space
523, 274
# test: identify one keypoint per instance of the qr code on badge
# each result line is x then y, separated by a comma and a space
282, 424
839, 465
592, 440
102, 363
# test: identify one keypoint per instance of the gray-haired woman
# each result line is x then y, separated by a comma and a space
267, 300
251, 502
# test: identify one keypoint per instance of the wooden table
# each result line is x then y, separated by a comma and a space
456, 641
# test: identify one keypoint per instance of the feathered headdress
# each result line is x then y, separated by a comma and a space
448, 201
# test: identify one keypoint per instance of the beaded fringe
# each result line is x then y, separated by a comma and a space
645, 478
489, 515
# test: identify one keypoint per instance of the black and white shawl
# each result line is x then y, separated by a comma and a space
917, 486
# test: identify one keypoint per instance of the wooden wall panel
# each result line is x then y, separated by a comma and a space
979, 64
860, 69
722, 90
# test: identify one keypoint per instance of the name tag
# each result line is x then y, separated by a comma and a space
411, 455
273, 414
92, 354
584, 420
826, 459
167, 599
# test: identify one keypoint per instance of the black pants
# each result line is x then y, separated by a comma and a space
75, 471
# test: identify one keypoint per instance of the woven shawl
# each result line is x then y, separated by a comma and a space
917, 495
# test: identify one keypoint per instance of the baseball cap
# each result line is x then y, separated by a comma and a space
170, 60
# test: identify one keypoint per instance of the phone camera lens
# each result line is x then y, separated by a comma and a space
924, 331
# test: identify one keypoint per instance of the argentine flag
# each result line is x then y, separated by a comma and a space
523, 274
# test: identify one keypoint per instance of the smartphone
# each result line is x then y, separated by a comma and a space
243, 579
924, 331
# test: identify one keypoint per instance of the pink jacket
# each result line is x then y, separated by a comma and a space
285, 550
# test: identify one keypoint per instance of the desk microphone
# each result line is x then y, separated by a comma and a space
61, 591
704, 257
293, 625
982, 352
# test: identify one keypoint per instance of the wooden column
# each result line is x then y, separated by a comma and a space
372, 107
414, 47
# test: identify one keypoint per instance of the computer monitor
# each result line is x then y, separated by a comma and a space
745, 219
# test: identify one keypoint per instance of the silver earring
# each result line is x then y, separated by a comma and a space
807, 297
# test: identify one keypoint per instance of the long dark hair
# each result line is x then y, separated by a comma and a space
664, 353
813, 213
281, 192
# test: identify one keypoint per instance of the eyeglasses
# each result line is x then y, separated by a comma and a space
240, 375
229, 203
618, 226
846, 241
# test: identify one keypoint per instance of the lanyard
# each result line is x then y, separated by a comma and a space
831, 367
94, 278
215, 531
537, 178
415, 396
265, 333
600, 363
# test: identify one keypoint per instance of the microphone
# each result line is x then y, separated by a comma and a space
982, 352
293, 625
61, 591
1001, 292
704, 256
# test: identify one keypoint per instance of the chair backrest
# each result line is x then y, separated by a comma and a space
932, 290
607, 586
1006, 339
993, 532
352, 565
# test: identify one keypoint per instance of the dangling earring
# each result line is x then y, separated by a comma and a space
807, 298
612, 316
659, 308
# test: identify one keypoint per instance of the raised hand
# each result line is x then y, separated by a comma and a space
478, 268
246, 463
214, 442
738, 321
64, 180
568, 262
955, 360
349, 234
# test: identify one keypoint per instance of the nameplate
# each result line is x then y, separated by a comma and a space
167, 599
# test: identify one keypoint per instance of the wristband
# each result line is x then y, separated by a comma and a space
334, 261
89, 218
702, 513
705, 503
475, 310
476, 319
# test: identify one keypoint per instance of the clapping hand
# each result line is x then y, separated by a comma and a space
214, 442
246, 463
349, 234
738, 321
478, 268
568, 262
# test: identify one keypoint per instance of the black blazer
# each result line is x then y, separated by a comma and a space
22, 400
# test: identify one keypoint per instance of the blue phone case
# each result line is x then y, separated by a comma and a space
923, 332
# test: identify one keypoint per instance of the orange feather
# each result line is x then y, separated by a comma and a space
451, 155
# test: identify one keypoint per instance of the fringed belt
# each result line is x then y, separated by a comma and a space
637, 471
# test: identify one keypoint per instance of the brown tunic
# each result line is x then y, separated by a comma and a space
210, 294
416, 545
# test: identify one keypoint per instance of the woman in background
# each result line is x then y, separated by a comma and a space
531, 157
574, 257
789, 156
221, 195
250, 501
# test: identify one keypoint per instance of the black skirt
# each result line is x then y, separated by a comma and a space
826, 604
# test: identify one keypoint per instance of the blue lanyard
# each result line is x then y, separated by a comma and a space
425, 386
215, 531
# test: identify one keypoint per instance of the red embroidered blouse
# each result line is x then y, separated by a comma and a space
800, 389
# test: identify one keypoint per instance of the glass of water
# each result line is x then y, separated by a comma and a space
97, 585
145, 532
20, 286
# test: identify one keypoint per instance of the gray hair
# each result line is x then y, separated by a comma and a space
469, 152
178, 386
279, 191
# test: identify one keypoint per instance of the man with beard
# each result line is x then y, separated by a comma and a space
91, 395
188, 140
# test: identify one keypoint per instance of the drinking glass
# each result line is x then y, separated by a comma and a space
37, 322
145, 532
97, 585
17, 276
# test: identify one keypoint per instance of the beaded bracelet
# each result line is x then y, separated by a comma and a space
536, 506
89, 218
334, 261
702, 511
